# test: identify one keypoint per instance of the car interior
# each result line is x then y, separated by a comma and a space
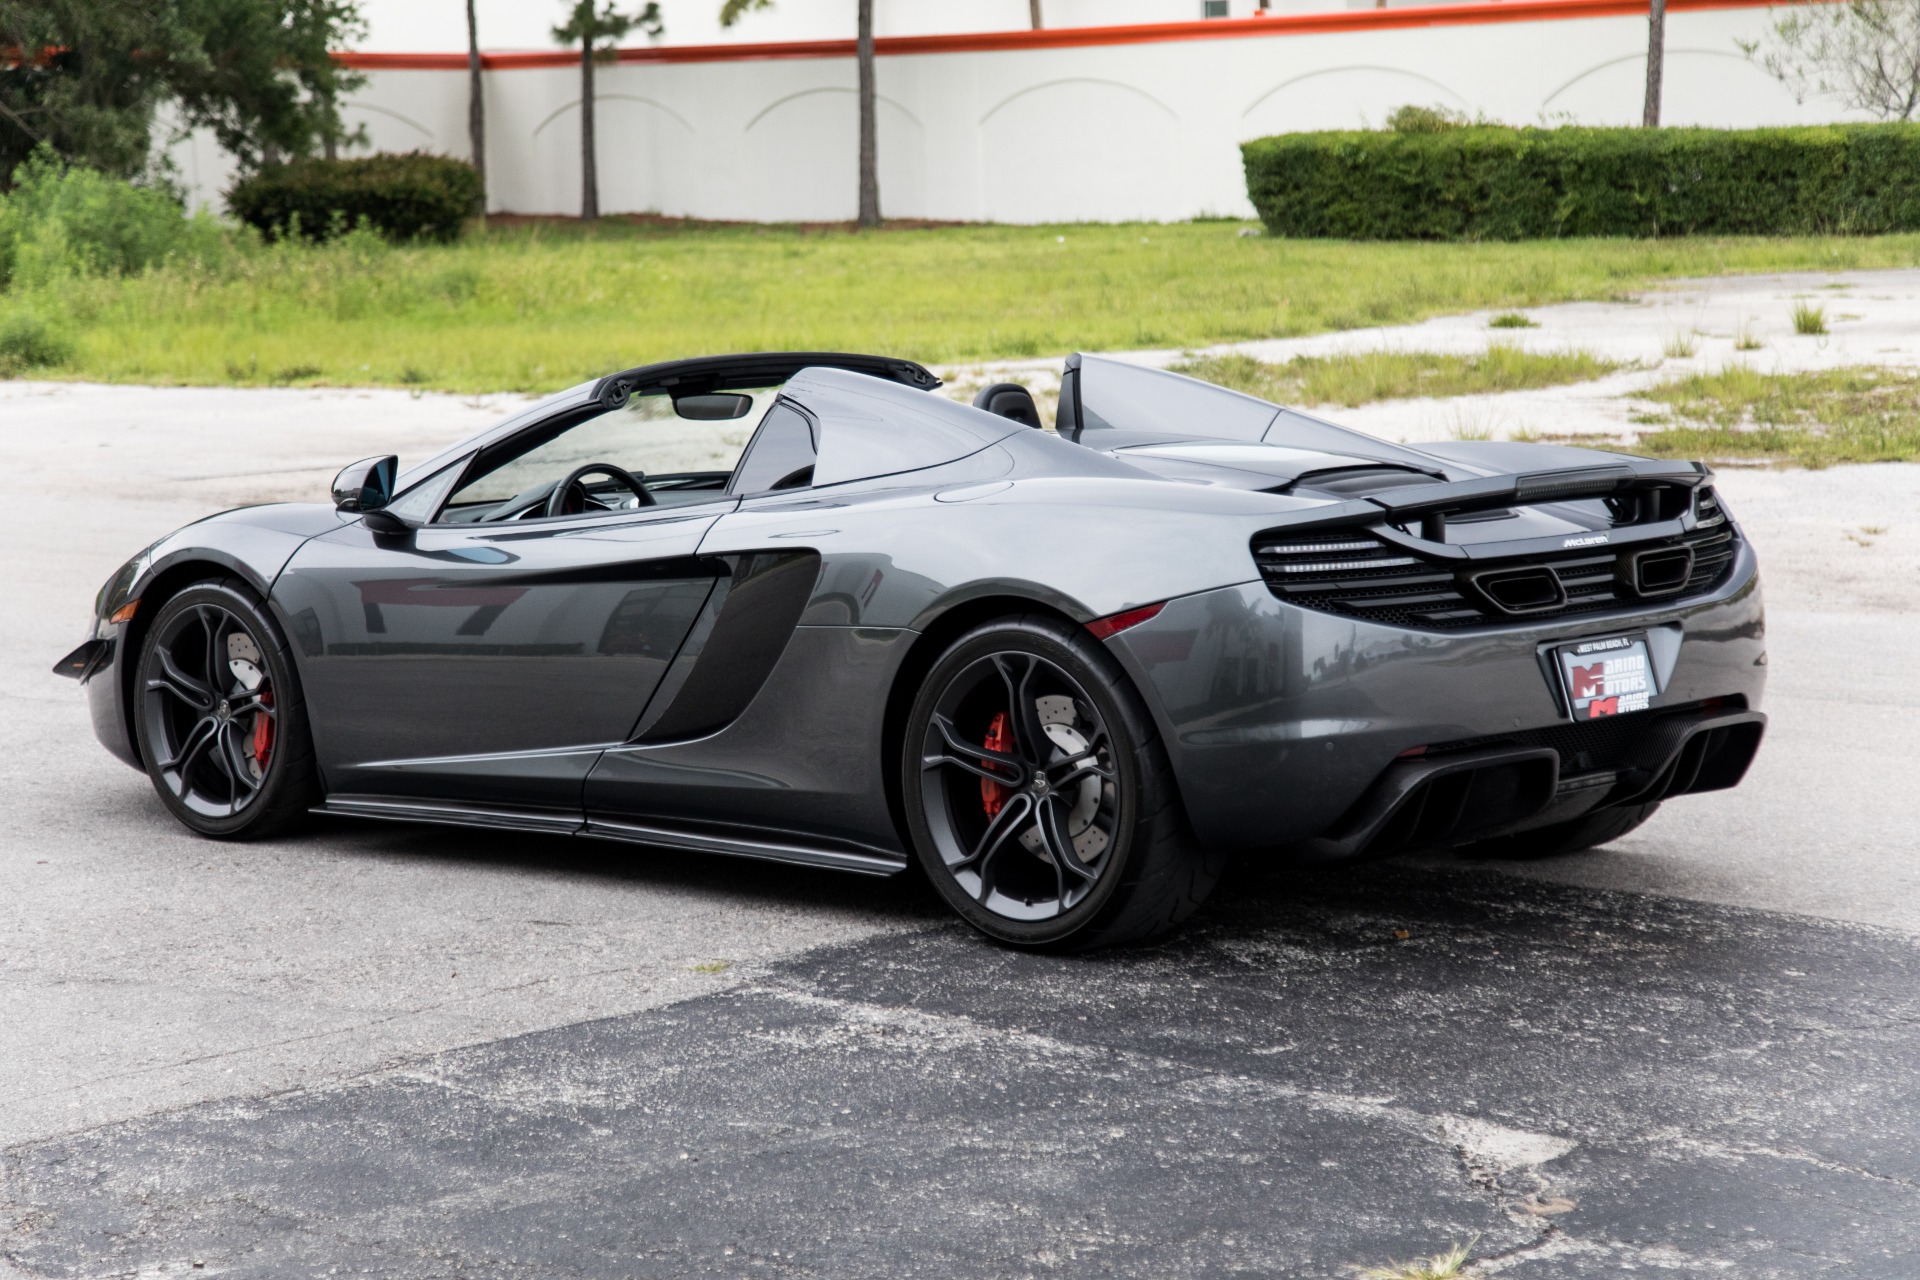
651, 451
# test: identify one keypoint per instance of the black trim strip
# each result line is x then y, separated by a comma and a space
454, 815
769, 848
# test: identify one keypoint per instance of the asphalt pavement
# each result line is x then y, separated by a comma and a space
396, 1051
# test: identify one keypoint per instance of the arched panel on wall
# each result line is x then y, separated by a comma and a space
803, 157
1356, 97
387, 129
647, 158
1081, 150
1713, 88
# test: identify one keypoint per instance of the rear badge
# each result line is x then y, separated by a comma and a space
1607, 677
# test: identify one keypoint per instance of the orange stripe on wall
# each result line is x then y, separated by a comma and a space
1344, 20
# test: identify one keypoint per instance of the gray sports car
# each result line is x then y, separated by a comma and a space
800, 607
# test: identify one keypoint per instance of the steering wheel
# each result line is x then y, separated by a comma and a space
559, 501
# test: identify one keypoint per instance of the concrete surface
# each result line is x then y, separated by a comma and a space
254, 1055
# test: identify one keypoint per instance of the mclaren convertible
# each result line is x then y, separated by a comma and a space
804, 607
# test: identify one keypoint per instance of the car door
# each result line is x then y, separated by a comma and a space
489, 662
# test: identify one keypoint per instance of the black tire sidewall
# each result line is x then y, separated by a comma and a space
290, 726
1106, 685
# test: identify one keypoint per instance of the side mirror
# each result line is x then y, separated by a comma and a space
365, 488
366, 485
713, 408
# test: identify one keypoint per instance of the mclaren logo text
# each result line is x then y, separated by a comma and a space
1591, 540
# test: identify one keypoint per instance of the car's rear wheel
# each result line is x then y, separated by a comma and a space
1589, 832
1039, 796
221, 723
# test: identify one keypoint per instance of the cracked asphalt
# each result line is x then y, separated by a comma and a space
384, 1051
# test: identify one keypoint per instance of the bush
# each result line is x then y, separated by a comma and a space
1412, 119
60, 222
1489, 182
407, 197
28, 341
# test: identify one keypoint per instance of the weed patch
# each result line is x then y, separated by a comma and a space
1362, 377
1817, 419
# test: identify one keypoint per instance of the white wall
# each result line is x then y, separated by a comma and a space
1102, 133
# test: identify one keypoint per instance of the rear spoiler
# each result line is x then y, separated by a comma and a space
1430, 504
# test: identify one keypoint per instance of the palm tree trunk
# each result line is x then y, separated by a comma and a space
476, 110
869, 144
589, 175
1033, 11
1656, 61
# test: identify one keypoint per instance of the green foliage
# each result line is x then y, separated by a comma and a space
59, 223
1512, 320
1488, 182
407, 197
591, 27
89, 74
1413, 119
28, 340
1809, 320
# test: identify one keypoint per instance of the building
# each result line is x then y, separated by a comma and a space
1114, 122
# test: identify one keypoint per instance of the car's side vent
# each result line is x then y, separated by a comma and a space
1364, 577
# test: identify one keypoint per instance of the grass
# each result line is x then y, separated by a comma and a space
532, 308
1681, 346
1441, 1266
1809, 320
1858, 414
1362, 377
1512, 320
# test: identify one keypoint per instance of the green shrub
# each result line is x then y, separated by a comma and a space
406, 197
1412, 119
1491, 182
59, 222
29, 341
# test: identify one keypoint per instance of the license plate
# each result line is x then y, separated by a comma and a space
1607, 677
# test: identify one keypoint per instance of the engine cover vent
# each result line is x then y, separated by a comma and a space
1361, 576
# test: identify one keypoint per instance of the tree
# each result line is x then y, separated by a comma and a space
592, 28
85, 76
731, 12
1865, 52
1656, 61
476, 110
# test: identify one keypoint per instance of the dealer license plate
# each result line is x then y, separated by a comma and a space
1607, 677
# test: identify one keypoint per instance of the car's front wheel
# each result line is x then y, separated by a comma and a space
1039, 796
221, 723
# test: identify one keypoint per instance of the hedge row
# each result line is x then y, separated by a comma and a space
408, 196
1490, 182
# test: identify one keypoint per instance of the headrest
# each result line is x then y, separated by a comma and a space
1009, 400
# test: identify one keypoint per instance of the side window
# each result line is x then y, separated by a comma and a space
678, 452
781, 455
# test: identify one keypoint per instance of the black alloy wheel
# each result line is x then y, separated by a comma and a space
1039, 796
221, 724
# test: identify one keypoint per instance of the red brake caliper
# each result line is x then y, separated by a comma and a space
263, 731
999, 738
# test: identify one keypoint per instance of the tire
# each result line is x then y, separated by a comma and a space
1589, 832
213, 670
988, 820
